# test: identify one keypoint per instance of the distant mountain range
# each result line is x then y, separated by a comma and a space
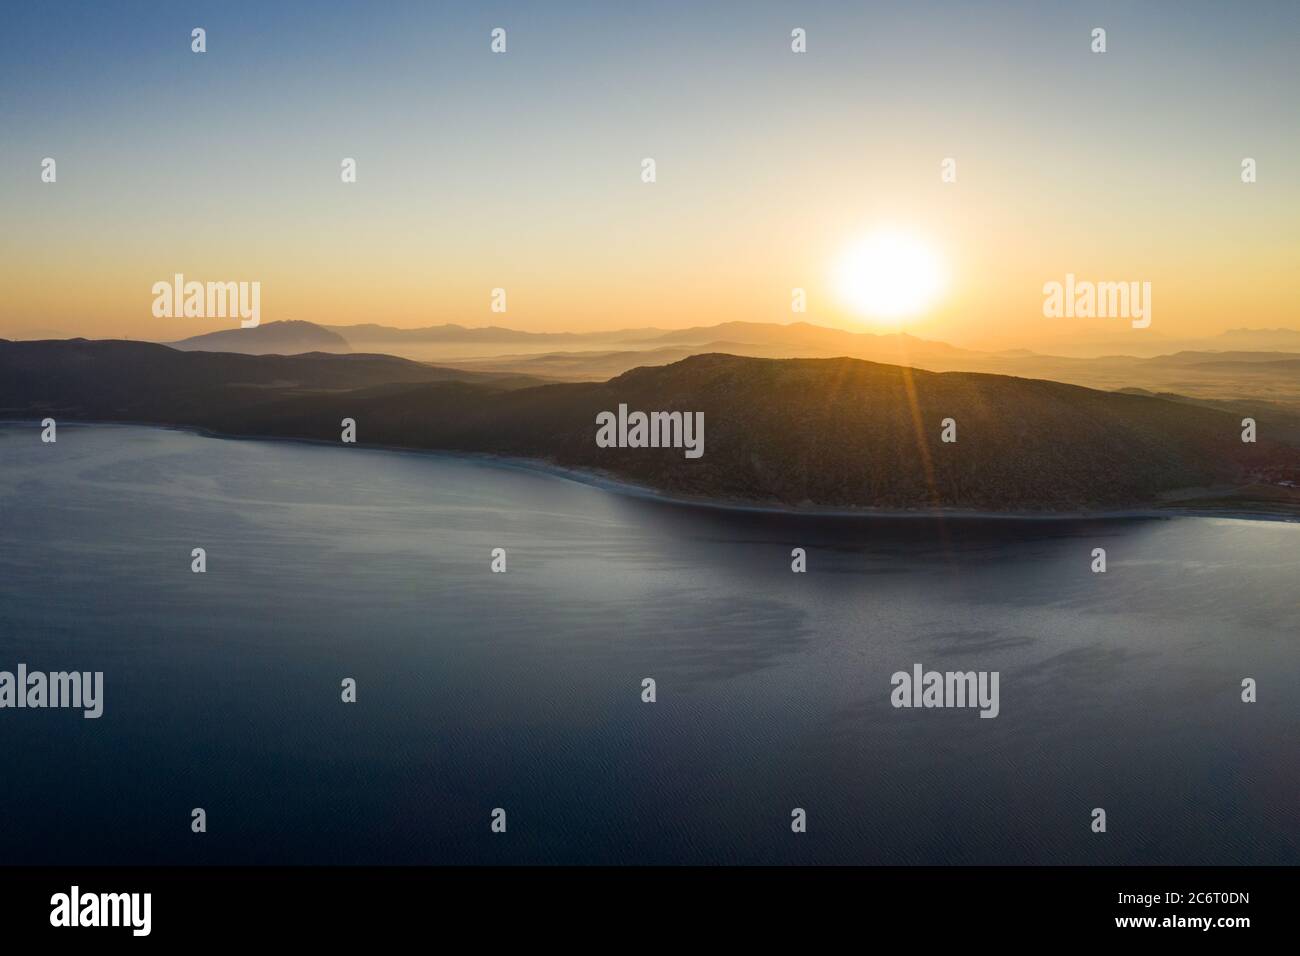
1255, 340
273, 338
286, 338
380, 334
1212, 372
831, 433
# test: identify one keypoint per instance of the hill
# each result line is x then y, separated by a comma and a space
273, 338
143, 381
806, 335
1262, 375
796, 432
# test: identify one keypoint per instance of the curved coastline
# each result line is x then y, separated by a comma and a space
614, 485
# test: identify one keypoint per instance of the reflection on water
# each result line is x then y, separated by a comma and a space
522, 690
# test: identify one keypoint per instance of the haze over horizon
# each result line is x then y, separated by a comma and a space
479, 171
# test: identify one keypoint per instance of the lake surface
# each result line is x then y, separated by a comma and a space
522, 690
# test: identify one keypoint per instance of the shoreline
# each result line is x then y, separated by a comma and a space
619, 486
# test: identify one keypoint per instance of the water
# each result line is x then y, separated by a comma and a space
522, 690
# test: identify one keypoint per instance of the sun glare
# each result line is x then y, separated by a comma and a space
889, 276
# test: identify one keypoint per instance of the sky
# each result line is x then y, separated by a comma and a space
523, 170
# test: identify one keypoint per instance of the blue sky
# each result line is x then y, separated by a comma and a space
479, 170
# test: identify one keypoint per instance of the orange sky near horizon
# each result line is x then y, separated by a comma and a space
526, 176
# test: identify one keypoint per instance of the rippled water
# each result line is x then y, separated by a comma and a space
522, 690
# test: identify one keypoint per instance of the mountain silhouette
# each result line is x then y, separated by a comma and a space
832, 433
271, 338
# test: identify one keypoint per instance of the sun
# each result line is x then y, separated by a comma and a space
889, 276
